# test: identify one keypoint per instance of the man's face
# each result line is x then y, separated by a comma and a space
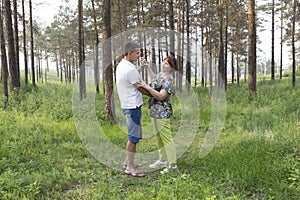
134, 55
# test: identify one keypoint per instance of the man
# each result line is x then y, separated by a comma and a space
130, 95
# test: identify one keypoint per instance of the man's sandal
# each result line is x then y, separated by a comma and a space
124, 167
134, 173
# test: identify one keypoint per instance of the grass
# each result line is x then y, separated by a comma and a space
256, 157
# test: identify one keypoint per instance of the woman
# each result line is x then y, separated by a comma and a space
161, 88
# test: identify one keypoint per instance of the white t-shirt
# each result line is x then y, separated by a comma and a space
126, 76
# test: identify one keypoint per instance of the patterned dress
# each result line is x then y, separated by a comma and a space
161, 109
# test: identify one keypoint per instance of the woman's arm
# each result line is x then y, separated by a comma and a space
149, 70
162, 95
142, 90
139, 69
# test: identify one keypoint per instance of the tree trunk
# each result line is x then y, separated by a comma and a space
245, 72
82, 85
202, 49
237, 48
182, 53
226, 46
172, 27
4, 68
24, 43
293, 46
210, 73
16, 34
96, 59
179, 47
252, 48
31, 43
15, 83
221, 47
238, 73
281, 39
196, 59
188, 48
273, 32
232, 65
107, 62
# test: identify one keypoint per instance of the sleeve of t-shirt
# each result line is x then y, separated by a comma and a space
133, 76
168, 85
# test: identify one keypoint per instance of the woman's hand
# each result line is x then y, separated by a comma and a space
142, 83
143, 87
144, 62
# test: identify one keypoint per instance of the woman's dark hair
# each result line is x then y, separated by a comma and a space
172, 61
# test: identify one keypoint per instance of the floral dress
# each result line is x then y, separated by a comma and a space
161, 109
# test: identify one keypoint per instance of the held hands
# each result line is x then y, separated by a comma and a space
144, 62
142, 83
143, 87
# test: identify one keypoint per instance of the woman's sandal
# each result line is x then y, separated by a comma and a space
134, 173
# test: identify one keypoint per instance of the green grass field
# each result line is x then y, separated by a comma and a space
256, 157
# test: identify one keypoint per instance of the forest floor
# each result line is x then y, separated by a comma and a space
43, 155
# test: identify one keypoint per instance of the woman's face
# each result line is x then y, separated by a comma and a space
166, 67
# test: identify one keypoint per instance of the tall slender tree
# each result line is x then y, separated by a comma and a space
4, 68
273, 33
16, 38
226, 43
31, 44
96, 59
107, 61
293, 44
188, 48
15, 82
252, 48
281, 38
221, 45
202, 45
179, 45
24, 42
172, 27
82, 84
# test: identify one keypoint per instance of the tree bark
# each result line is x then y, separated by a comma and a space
15, 83
24, 43
172, 27
273, 32
226, 45
16, 34
281, 39
293, 46
107, 62
252, 48
188, 48
96, 59
221, 47
179, 47
4, 68
32, 44
82, 84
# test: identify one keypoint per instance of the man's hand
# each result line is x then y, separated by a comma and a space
142, 87
144, 61
144, 91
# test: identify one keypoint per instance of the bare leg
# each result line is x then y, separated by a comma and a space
130, 151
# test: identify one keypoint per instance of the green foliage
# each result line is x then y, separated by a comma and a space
256, 157
52, 100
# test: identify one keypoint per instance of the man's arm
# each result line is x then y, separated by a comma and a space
142, 90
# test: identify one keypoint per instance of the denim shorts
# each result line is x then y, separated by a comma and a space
133, 121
